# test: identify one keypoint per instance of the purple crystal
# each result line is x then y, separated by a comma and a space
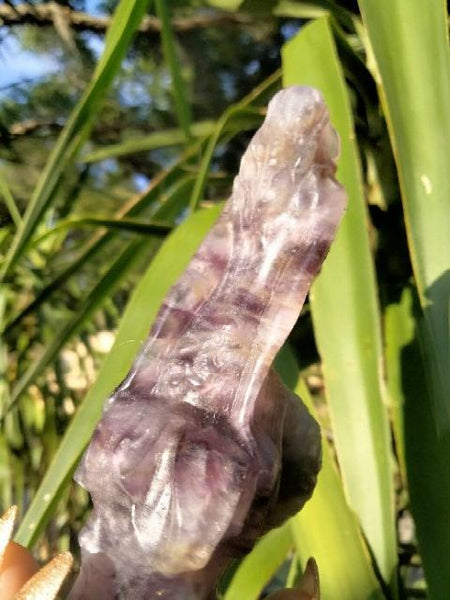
201, 449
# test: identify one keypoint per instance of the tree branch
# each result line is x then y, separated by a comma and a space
51, 13
32, 126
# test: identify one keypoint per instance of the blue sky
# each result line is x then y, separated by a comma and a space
91, 7
17, 64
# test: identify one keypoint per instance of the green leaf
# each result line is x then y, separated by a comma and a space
4, 383
96, 297
231, 5
258, 567
327, 529
427, 466
153, 141
297, 10
164, 270
6, 475
410, 47
173, 137
182, 107
124, 24
399, 332
179, 187
313, 9
346, 316
240, 109
406, 41
131, 225
101, 292
10, 202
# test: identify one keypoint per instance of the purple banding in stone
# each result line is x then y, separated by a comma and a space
202, 449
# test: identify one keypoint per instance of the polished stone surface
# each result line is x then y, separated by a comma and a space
202, 449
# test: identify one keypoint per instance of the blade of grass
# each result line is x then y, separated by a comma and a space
182, 107
170, 137
305, 10
164, 270
328, 530
4, 383
125, 21
427, 466
398, 333
98, 295
6, 475
258, 567
410, 47
411, 53
92, 302
153, 141
346, 316
137, 204
10, 202
172, 176
240, 108
230, 5
316, 8
131, 225
295, 573
199, 186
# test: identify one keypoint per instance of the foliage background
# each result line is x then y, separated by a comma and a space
122, 125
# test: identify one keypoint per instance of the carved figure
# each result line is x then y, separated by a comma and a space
201, 448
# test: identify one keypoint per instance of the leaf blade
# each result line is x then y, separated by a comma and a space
241, 107
316, 530
319, 533
258, 567
183, 109
152, 141
344, 302
427, 466
405, 41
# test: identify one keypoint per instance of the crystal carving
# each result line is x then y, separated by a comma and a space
201, 449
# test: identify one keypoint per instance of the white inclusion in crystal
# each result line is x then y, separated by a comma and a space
192, 398
195, 381
149, 524
272, 250
159, 482
244, 406
269, 195
91, 540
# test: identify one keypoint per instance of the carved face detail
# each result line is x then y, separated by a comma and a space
202, 449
